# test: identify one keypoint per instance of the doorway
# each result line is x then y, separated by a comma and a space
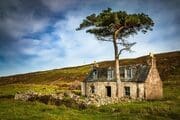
108, 91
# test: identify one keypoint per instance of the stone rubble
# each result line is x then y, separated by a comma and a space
58, 98
25, 96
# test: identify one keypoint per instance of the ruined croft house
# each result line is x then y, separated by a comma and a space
139, 81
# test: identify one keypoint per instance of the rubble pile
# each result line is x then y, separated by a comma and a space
69, 99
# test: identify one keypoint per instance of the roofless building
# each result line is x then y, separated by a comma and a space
137, 81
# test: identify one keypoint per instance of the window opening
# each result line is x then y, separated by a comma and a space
127, 91
108, 91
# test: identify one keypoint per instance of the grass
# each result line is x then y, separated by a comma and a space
35, 111
165, 109
10, 90
166, 63
56, 76
48, 82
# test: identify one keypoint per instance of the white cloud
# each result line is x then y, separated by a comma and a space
78, 45
71, 47
68, 48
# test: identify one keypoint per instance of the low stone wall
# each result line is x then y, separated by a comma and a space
98, 100
67, 98
70, 99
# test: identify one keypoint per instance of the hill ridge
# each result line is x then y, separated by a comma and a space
167, 63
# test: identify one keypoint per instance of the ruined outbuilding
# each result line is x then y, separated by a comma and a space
138, 81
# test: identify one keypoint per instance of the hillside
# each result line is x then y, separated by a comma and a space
60, 80
168, 65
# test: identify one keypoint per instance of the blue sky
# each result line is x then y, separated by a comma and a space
40, 34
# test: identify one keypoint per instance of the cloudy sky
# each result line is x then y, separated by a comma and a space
40, 34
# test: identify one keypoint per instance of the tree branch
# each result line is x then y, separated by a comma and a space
108, 40
127, 47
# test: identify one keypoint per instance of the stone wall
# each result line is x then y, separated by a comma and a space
99, 88
152, 88
70, 99
136, 89
153, 83
141, 90
83, 88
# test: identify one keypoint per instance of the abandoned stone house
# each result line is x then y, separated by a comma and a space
139, 81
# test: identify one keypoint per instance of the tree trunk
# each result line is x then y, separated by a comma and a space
117, 75
117, 72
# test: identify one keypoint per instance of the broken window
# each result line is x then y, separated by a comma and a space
110, 74
95, 74
127, 91
108, 91
92, 89
126, 73
129, 73
122, 72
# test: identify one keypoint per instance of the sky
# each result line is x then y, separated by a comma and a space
38, 35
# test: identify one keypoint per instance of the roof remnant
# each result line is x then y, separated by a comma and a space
139, 73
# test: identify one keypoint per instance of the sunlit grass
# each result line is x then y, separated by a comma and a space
56, 81
167, 108
12, 89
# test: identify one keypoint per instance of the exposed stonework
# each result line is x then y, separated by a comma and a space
59, 99
136, 89
153, 83
137, 82
100, 88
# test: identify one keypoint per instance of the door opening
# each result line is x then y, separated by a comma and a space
108, 91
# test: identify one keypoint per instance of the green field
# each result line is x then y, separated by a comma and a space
166, 109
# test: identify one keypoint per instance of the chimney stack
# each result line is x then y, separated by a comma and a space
151, 60
95, 65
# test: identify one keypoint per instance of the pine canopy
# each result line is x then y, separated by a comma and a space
106, 23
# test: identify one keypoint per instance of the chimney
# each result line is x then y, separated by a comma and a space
151, 61
95, 65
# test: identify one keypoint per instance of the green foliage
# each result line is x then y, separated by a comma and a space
114, 27
107, 22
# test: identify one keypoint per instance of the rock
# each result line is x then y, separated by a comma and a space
25, 96
58, 99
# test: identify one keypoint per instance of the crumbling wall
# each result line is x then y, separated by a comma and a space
100, 88
136, 89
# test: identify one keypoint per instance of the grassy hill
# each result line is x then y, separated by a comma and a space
167, 64
58, 80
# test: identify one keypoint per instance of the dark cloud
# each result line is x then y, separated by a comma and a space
60, 5
17, 19
22, 21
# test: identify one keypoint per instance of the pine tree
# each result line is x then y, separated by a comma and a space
115, 27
